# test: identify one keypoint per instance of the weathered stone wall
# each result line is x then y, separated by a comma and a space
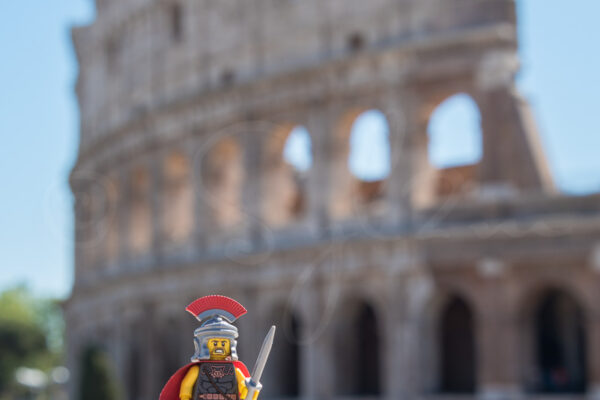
181, 191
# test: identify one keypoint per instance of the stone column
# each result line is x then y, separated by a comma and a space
512, 154
393, 323
320, 127
497, 334
398, 185
80, 211
317, 364
122, 214
150, 357
120, 346
201, 206
156, 203
593, 352
252, 144
409, 363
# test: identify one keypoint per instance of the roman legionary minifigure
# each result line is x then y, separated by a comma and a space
215, 372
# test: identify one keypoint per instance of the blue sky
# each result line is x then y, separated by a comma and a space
38, 121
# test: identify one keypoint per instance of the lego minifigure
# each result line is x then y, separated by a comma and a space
215, 372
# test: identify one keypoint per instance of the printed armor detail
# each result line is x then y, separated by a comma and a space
216, 381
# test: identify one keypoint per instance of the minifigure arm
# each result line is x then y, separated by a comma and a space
241, 378
242, 386
187, 384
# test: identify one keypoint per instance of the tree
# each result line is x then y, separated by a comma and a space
97, 380
25, 330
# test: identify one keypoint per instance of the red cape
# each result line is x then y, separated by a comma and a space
171, 389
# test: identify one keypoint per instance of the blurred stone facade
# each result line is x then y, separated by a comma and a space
480, 280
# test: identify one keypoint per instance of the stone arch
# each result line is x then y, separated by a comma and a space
357, 350
555, 340
178, 205
222, 176
285, 368
452, 148
355, 188
457, 345
283, 180
139, 236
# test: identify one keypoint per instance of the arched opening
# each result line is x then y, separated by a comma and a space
457, 348
454, 149
357, 353
361, 161
285, 358
287, 158
559, 333
454, 130
222, 175
178, 207
369, 158
140, 213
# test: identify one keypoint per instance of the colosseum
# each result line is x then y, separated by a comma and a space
479, 280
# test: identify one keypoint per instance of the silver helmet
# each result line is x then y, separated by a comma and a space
214, 326
216, 315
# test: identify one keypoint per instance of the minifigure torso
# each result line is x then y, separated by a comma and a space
214, 380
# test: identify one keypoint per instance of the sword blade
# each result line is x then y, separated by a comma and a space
261, 361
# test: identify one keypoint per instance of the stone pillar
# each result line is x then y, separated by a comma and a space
156, 202
593, 353
317, 373
497, 335
201, 205
392, 386
512, 154
80, 211
120, 346
122, 214
413, 173
150, 356
320, 127
409, 363
252, 145
398, 185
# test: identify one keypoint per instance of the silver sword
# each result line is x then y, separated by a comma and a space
259, 366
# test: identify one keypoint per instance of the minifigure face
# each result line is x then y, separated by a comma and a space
219, 348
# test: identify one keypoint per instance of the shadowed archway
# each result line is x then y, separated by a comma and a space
457, 348
559, 337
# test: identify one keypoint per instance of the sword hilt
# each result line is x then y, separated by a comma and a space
252, 388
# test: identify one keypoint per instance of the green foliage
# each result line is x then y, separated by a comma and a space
27, 328
97, 379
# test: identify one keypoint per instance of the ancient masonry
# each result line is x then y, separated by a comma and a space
480, 280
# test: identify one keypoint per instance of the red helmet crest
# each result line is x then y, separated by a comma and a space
223, 306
